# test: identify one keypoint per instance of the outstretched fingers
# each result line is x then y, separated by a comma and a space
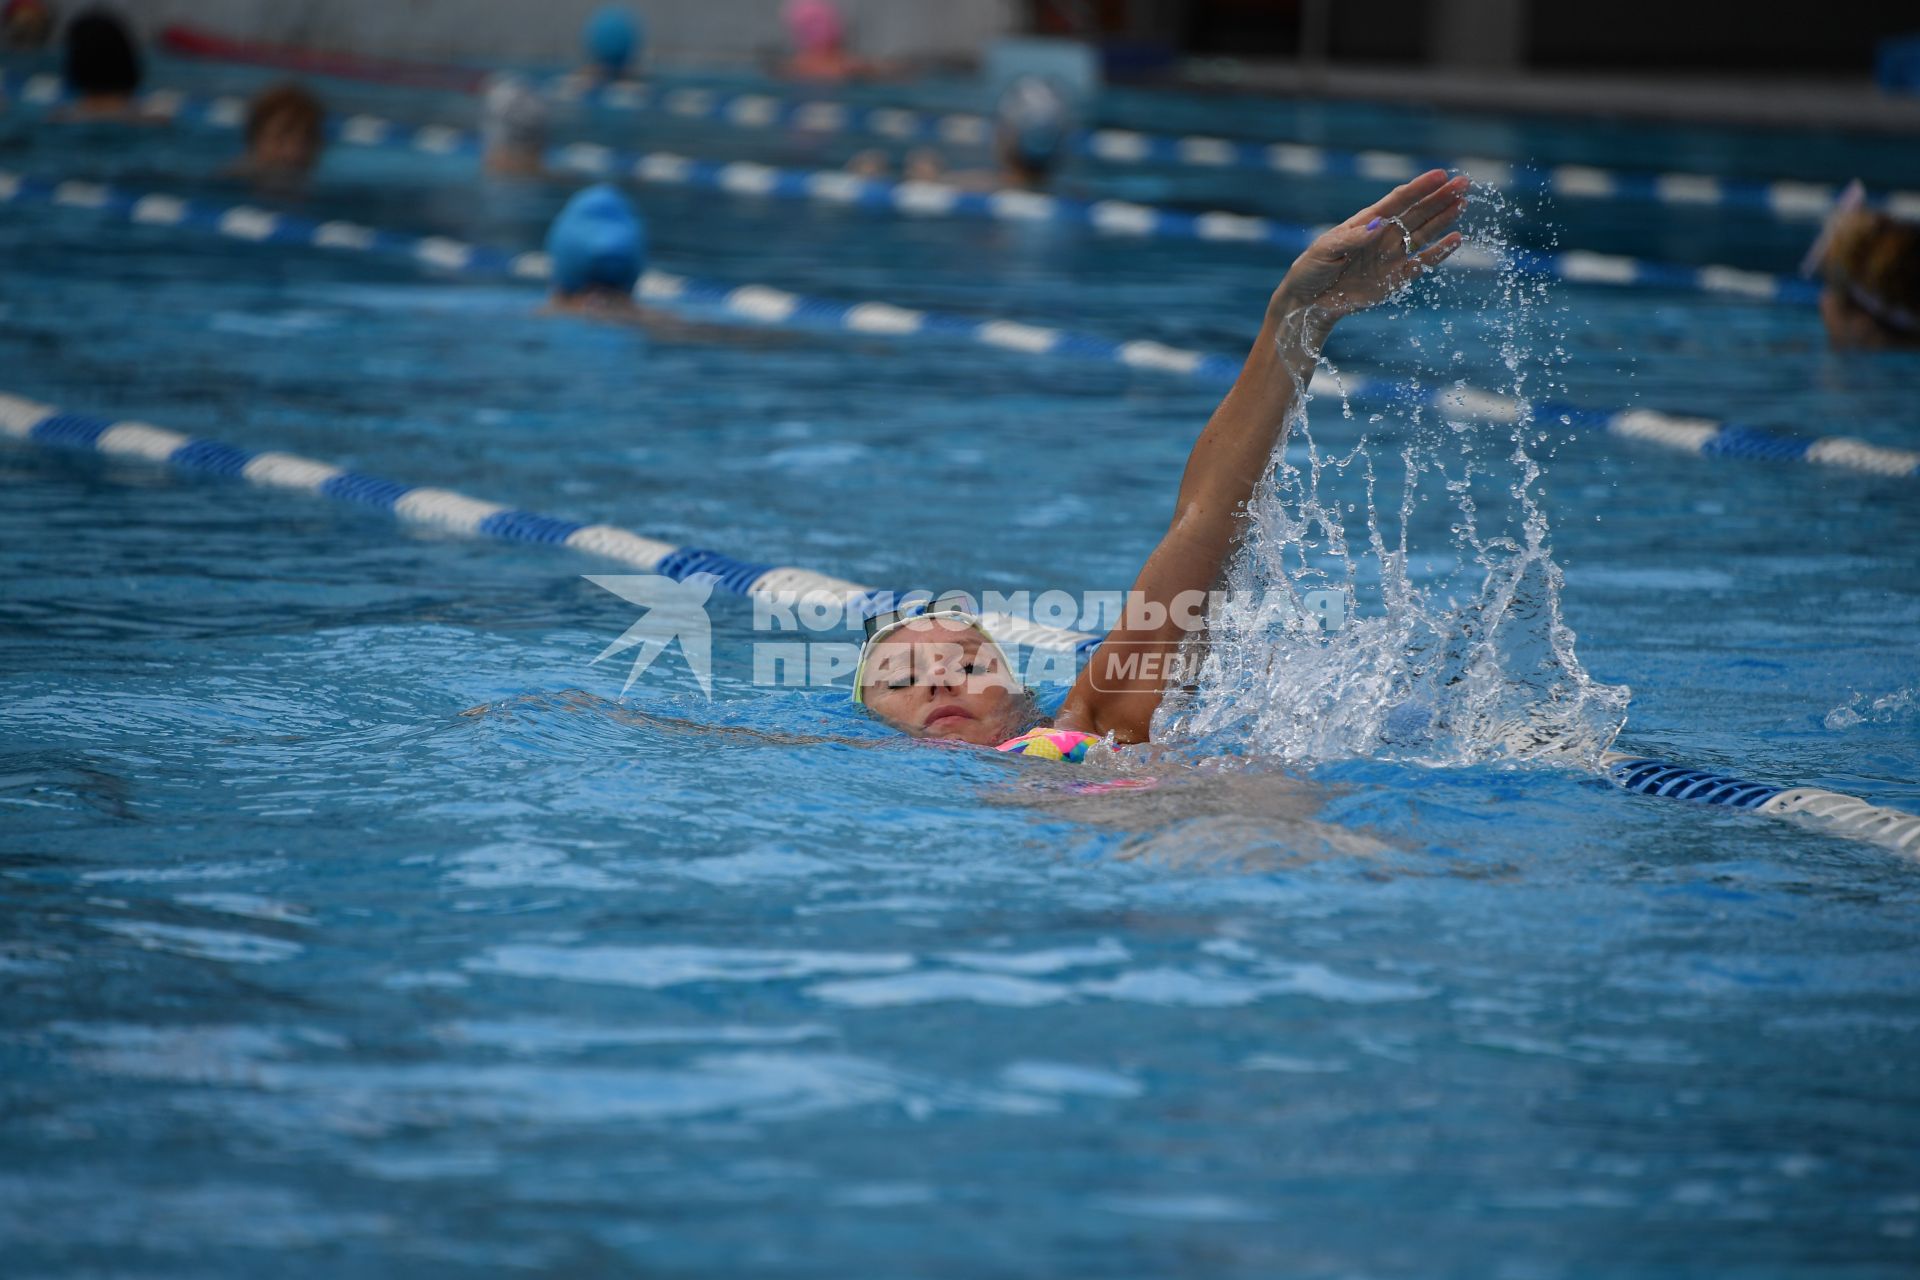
1397, 202
1438, 252
1412, 268
1429, 219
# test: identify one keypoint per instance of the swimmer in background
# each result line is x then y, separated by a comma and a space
26, 24
1870, 263
612, 40
597, 248
513, 129
818, 34
938, 674
286, 132
101, 69
1031, 124
597, 251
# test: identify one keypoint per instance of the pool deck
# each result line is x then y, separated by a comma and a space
1751, 100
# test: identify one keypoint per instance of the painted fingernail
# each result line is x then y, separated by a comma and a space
1373, 224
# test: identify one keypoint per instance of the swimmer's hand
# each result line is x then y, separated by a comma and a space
1371, 255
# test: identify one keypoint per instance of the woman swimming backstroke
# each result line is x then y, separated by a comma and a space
938, 674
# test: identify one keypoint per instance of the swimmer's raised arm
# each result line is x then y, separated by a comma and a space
1353, 266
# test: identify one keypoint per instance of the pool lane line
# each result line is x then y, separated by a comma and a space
32, 422
916, 199
442, 509
1834, 811
1782, 198
1785, 198
765, 306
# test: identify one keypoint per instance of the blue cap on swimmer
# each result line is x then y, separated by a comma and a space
1033, 116
613, 38
597, 242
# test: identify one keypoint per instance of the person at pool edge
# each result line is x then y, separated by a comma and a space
939, 675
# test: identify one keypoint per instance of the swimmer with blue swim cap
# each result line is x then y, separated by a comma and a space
598, 248
938, 674
613, 39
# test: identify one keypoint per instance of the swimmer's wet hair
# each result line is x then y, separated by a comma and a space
1873, 261
286, 99
101, 58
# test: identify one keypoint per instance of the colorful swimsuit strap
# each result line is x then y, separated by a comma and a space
1047, 743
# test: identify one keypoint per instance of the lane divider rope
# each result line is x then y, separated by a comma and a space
1837, 812
920, 199
768, 306
1782, 198
443, 509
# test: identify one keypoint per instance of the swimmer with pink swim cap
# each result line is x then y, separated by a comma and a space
818, 33
937, 673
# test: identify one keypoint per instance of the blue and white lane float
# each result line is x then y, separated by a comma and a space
767, 306
1833, 810
1782, 198
443, 509
919, 199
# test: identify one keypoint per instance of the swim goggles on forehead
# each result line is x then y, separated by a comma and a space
956, 607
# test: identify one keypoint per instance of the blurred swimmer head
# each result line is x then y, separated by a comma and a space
1870, 263
814, 26
26, 24
513, 126
101, 59
597, 244
1031, 121
612, 37
286, 129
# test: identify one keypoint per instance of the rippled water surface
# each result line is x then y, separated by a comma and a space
354, 923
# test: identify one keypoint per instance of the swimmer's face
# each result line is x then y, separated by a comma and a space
285, 144
939, 678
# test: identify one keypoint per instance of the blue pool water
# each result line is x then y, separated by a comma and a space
355, 924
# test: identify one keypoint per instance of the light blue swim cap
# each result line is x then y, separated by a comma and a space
613, 37
598, 241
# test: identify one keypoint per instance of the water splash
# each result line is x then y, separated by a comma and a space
1902, 706
1457, 651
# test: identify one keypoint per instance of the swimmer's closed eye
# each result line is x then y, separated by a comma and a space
1069, 745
